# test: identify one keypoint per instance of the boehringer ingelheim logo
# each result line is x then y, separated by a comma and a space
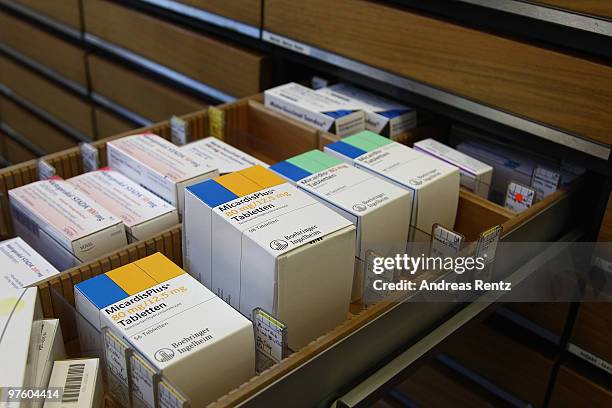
279, 244
360, 207
163, 355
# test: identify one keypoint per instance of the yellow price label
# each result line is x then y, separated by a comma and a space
216, 122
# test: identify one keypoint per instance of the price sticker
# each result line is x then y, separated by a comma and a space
179, 130
216, 122
170, 397
144, 377
519, 197
545, 182
45, 170
487, 243
445, 242
270, 339
90, 157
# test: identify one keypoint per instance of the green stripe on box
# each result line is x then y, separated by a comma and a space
314, 161
367, 140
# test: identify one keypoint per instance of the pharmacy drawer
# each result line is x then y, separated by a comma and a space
221, 65
48, 96
513, 366
594, 7
593, 329
37, 131
108, 124
546, 86
578, 388
605, 232
137, 93
64, 11
14, 152
550, 316
44, 48
435, 385
245, 11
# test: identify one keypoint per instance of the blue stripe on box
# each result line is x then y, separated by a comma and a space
290, 171
212, 193
346, 149
101, 291
339, 113
390, 114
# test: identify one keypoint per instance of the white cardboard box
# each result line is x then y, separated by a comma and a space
222, 156
379, 210
63, 224
20, 329
50, 349
21, 266
383, 116
257, 241
433, 183
321, 111
195, 339
476, 176
158, 165
82, 384
143, 213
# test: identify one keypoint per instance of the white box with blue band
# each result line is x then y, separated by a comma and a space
321, 111
379, 210
433, 183
257, 241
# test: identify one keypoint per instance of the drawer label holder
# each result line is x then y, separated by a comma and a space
270, 339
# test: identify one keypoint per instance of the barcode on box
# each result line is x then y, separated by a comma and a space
74, 379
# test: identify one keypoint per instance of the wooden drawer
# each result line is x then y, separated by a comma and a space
546, 86
593, 329
108, 124
550, 316
577, 389
513, 366
44, 94
435, 385
138, 93
48, 50
14, 152
64, 11
40, 133
602, 8
605, 232
245, 11
230, 69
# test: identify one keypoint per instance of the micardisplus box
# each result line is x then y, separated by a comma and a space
158, 165
195, 339
222, 156
433, 183
257, 241
379, 210
63, 224
143, 213
321, 111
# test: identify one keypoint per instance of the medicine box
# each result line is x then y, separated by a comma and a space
383, 116
222, 156
143, 213
20, 315
81, 383
21, 266
192, 337
433, 183
63, 224
379, 210
476, 176
324, 112
257, 241
50, 349
158, 165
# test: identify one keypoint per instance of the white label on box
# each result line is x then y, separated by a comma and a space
117, 354
169, 397
222, 156
143, 380
179, 130
90, 156
45, 170
545, 182
519, 197
81, 381
21, 265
